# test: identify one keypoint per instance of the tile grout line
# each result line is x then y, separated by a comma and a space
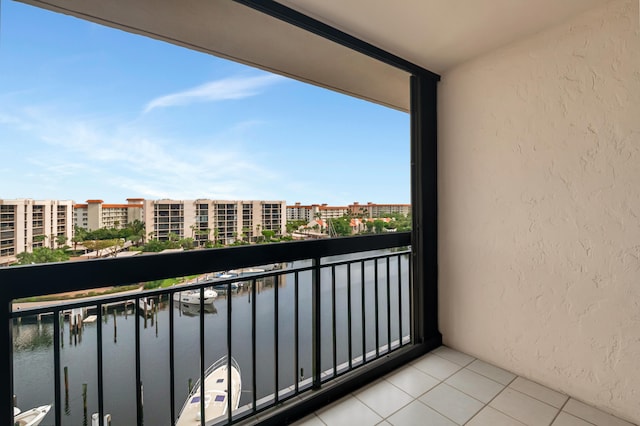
447, 359
544, 402
383, 417
435, 378
597, 409
318, 417
560, 411
442, 414
416, 399
491, 400
490, 378
538, 399
471, 396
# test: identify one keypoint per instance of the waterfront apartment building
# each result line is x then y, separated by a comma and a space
312, 212
222, 221
373, 210
94, 214
26, 224
324, 211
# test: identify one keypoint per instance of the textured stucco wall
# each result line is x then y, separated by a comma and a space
539, 207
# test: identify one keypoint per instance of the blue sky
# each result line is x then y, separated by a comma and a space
87, 112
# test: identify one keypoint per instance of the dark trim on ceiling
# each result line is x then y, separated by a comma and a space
293, 17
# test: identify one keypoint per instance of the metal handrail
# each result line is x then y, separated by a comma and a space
61, 277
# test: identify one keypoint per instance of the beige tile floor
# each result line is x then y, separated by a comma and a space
449, 388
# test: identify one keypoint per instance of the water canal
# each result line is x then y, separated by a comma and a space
33, 343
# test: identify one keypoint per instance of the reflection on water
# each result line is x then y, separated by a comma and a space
32, 335
33, 350
193, 309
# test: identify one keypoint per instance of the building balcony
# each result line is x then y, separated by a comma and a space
329, 316
524, 192
298, 332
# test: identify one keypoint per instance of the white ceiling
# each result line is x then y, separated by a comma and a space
435, 34
438, 34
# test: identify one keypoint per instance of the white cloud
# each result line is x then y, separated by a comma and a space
219, 90
136, 161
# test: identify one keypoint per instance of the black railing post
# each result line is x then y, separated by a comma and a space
349, 324
229, 353
363, 312
201, 346
388, 306
7, 361
316, 331
254, 362
172, 359
57, 382
376, 305
276, 342
334, 337
139, 395
99, 366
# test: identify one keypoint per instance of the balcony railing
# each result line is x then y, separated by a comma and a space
334, 308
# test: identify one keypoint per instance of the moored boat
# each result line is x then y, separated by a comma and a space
216, 392
32, 417
223, 288
145, 306
193, 296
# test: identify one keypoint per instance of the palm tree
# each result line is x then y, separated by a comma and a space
61, 240
246, 232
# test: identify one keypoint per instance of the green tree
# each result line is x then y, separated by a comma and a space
342, 225
369, 226
294, 225
174, 240
42, 255
99, 245
154, 246
379, 226
79, 235
61, 240
268, 235
39, 238
186, 243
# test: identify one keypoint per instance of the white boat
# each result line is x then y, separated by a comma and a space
246, 271
225, 276
215, 394
32, 417
193, 296
222, 288
145, 306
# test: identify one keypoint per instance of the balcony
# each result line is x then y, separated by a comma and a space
298, 331
524, 178
337, 315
